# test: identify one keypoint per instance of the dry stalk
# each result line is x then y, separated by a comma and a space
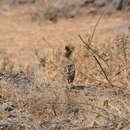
98, 62
95, 27
129, 28
104, 72
41, 60
124, 50
92, 51
119, 72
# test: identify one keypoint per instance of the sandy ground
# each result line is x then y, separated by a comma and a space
19, 34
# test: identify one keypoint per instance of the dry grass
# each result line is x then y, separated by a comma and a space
31, 78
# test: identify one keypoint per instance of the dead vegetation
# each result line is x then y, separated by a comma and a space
35, 96
43, 102
55, 10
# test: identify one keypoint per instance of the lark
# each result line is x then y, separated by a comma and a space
68, 66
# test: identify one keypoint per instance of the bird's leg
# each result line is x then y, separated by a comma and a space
71, 86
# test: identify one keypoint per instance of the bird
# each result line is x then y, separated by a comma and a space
69, 71
68, 66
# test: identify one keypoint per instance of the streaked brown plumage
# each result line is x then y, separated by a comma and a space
69, 70
68, 66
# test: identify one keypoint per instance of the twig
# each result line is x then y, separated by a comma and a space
53, 108
119, 72
49, 44
129, 28
103, 70
93, 54
124, 50
92, 50
95, 27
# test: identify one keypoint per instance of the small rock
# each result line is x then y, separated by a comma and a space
117, 4
7, 106
100, 3
15, 2
71, 13
78, 87
93, 10
121, 37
